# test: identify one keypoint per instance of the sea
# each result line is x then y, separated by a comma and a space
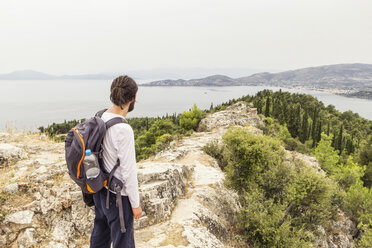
26, 105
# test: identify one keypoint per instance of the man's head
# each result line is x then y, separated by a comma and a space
123, 91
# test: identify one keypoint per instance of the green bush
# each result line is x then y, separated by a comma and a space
189, 120
281, 205
217, 151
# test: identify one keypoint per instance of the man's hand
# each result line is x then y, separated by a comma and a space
137, 212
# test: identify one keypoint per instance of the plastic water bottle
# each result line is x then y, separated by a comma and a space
91, 165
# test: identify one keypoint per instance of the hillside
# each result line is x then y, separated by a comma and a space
182, 193
340, 78
36, 75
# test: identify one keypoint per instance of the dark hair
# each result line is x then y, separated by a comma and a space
123, 89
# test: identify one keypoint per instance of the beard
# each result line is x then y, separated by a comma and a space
131, 106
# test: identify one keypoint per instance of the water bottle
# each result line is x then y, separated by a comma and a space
91, 165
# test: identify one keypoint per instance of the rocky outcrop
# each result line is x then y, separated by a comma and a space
182, 194
237, 114
339, 233
10, 154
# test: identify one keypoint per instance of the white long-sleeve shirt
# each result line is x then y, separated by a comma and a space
119, 143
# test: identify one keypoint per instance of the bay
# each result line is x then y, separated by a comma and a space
26, 105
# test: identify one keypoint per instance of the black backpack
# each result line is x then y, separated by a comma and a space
90, 135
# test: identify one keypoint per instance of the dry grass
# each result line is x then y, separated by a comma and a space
18, 200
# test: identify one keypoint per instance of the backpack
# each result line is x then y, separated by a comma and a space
89, 135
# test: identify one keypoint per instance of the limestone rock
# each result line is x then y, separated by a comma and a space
53, 244
236, 114
62, 231
161, 184
200, 237
26, 239
10, 154
22, 217
12, 188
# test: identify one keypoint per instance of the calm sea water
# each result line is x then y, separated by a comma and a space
26, 105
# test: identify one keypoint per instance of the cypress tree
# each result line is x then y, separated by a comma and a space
297, 121
313, 129
304, 127
328, 128
259, 106
268, 106
319, 136
339, 139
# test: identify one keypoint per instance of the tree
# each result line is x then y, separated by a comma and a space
339, 145
304, 127
190, 120
313, 129
326, 154
268, 106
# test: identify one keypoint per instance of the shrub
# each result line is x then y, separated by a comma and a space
216, 151
281, 204
190, 120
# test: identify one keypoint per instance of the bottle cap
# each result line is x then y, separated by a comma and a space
88, 152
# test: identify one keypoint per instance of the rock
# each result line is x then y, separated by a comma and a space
22, 217
53, 244
26, 239
201, 237
321, 238
81, 216
344, 224
4, 136
62, 231
293, 157
10, 154
43, 137
2, 240
236, 114
41, 174
12, 188
161, 184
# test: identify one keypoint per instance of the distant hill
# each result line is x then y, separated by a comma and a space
26, 75
345, 76
215, 80
341, 76
35, 75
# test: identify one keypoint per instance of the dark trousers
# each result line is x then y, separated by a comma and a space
107, 223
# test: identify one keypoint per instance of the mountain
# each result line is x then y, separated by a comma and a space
35, 75
215, 80
346, 76
26, 75
341, 76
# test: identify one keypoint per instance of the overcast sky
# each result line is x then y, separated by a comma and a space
91, 36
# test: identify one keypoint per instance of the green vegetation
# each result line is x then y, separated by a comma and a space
281, 205
305, 118
190, 120
151, 134
57, 131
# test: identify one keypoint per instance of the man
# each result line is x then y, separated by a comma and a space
118, 143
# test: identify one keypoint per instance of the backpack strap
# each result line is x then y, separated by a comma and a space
117, 188
114, 121
109, 183
100, 113
119, 203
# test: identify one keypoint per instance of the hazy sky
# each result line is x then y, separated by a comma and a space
90, 36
